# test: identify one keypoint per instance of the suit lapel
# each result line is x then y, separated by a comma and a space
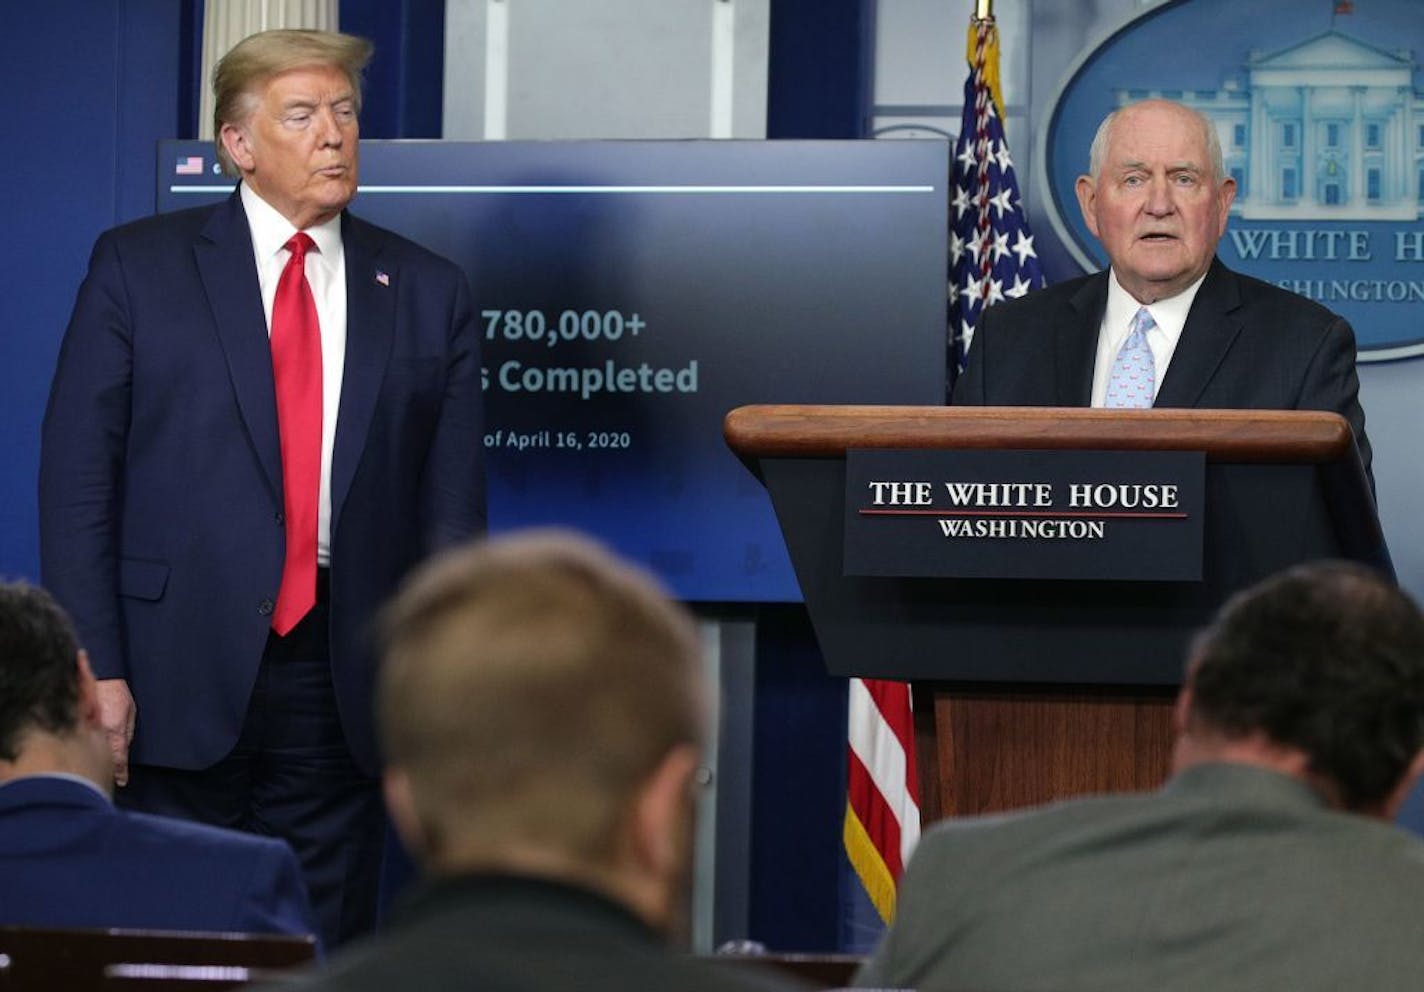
229, 274
1076, 344
371, 288
1207, 336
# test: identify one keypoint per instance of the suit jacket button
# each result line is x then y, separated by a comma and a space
280, 518
265, 607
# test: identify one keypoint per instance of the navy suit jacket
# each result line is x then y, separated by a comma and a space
161, 476
1246, 345
70, 858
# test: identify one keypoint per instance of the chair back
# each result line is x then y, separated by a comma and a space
34, 959
815, 971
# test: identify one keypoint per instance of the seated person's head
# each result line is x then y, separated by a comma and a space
541, 705
48, 704
1321, 666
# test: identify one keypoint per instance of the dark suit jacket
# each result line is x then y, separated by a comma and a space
1231, 878
1246, 345
161, 480
69, 858
508, 934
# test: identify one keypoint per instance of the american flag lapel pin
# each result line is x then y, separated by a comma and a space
382, 277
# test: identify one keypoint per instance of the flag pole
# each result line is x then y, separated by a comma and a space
983, 9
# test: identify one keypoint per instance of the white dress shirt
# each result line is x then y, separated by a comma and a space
1170, 315
326, 275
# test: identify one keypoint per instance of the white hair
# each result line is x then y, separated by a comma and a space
1098, 152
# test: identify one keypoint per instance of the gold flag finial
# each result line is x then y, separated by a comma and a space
983, 9
982, 51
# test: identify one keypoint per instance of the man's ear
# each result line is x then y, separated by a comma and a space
395, 785
661, 811
1394, 802
1181, 710
236, 143
1087, 191
1227, 195
88, 692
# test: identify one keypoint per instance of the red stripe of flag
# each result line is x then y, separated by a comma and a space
874, 813
892, 699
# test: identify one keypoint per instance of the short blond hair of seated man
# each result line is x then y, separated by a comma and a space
541, 704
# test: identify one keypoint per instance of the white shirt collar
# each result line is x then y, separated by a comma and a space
1170, 314
271, 231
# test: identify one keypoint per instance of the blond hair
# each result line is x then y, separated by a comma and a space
530, 686
248, 65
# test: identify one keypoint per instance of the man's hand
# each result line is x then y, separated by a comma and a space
116, 713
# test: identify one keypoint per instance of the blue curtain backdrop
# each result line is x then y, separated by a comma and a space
805, 896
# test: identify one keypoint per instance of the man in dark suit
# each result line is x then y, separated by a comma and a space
264, 413
68, 858
1267, 861
542, 708
1157, 198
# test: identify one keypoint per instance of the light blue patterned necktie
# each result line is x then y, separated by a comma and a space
1134, 375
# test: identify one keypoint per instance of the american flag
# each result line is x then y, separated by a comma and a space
189, 165
991, 252
882, 818
992, 258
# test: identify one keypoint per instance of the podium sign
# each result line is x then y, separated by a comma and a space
1111, 515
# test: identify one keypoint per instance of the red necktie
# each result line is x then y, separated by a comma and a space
296, 369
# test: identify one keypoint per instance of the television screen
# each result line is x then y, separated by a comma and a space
630, 293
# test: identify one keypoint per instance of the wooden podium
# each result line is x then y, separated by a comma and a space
1028, 690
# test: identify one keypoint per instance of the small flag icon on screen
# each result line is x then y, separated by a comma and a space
192, 165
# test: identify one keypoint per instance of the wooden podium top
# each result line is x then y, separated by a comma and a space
792, 431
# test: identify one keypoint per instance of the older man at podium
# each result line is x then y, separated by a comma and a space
1168, 325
